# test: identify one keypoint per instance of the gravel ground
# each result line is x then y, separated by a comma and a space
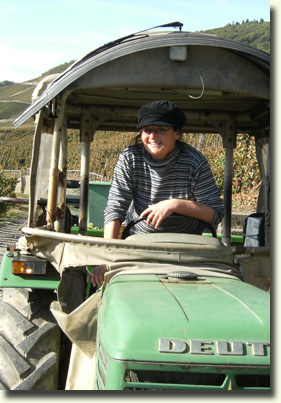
9, 233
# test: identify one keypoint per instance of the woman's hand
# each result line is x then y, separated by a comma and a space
97, 275
156, 213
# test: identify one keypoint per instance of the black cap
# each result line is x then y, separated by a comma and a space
161, 113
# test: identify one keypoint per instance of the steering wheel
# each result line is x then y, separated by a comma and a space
126, 231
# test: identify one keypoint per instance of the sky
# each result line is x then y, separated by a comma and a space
36, 35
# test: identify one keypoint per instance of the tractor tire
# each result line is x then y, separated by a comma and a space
29, 341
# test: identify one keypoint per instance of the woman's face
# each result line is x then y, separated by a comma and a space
159, 141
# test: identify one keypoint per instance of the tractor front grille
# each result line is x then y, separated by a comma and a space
206, 378
115, 374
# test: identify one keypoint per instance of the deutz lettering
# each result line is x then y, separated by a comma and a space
208, 347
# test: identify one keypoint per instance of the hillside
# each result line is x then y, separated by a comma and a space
256, 34
16, 97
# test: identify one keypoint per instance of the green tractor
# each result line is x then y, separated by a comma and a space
176, 311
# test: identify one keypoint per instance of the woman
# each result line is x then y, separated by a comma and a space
159, 177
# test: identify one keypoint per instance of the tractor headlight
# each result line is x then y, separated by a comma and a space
27, 264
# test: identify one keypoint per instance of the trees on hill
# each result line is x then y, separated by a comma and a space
254, 33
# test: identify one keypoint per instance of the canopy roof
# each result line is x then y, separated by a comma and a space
205, 75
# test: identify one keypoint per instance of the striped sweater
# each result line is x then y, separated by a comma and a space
139, 181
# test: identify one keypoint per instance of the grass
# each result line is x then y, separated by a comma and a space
13, 214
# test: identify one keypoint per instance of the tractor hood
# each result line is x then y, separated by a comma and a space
206, 320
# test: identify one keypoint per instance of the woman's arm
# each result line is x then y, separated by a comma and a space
120, 196
112, 229
156, 213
